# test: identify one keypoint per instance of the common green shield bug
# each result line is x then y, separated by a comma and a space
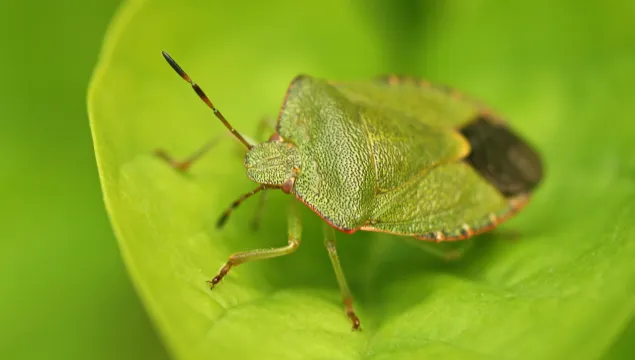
392, 155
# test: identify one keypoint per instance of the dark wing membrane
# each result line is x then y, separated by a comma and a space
501, 157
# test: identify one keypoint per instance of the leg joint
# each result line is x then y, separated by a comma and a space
294, 243
330, 245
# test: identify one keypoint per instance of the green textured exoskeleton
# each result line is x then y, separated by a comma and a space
392, 155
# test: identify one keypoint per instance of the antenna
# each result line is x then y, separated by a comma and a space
205, 99
223, 218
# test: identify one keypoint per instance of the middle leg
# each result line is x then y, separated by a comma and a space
347, 297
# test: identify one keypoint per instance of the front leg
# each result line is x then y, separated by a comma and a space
347, 297
295, 232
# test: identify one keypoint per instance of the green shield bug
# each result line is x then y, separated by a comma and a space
392, 155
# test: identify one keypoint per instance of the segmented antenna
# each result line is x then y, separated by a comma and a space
205, 99
223, 218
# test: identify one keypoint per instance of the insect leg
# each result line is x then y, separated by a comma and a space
264, 125
295, 232
347, 297
449, 251
187, 163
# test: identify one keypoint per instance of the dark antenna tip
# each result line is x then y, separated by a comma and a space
205, 99
221, 221
176, 66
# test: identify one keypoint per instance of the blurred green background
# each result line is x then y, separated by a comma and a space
64, 290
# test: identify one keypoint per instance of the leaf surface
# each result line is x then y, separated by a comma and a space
556, 282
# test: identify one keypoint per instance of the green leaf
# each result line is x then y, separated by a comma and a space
556, 282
